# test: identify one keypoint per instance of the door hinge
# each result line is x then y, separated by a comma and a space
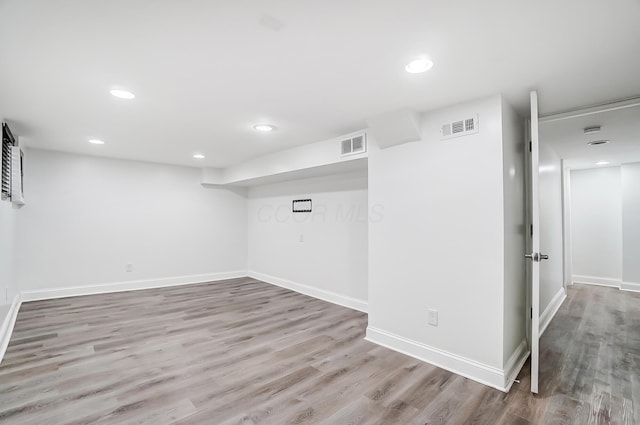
531, 230
530, 146
531, 313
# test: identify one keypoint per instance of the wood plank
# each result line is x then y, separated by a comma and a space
245, 352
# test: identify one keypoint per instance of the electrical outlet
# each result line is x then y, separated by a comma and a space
128, 267
433, 317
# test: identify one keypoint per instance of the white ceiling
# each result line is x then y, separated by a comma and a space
621, 127
205, 71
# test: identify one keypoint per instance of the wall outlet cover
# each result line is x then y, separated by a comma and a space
433, 317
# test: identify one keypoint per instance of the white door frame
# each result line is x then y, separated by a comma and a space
566, 227
527, 204
533, 243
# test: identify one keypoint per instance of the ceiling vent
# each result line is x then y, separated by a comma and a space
598, 142
460, 128
356, 144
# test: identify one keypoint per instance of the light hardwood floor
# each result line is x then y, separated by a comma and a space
245, 352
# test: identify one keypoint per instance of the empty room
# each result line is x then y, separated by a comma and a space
312, 212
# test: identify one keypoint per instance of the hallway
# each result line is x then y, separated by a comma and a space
589, 362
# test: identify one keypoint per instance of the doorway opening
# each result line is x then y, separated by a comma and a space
588, 182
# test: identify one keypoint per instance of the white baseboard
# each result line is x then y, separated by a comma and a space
480, 372
322, 294
601, 281
7, 325
595, 280
514, 365
551, 310
134, 285
630, 286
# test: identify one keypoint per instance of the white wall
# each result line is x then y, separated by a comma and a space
7, 237
8, 283
596, 225
551, 230
325, 250
86, 217
514, 231
440, 243
631, 225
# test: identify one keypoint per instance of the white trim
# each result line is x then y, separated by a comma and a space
332, 297
134, 285
550, 311
630, 286
594, 280
567, 265
515, 363
480, 372
631, 102
8, 323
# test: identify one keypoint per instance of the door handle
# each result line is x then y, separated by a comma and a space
544, 257
533, 257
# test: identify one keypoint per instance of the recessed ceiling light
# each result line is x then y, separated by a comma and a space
418, 65
603, 162
592, 130
599, 142
122, 94
96, 142
198, 156
264, 127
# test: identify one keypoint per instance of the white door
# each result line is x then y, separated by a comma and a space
533, 255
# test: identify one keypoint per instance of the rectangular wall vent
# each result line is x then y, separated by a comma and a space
356, 144
459, 128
